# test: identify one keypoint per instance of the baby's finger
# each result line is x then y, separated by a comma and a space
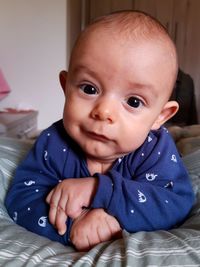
73, 209
53, 202
82, 244
48, 198
60, 221
52, 214
113, 226
104, 233
93, 238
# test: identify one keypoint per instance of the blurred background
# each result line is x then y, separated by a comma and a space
36, 37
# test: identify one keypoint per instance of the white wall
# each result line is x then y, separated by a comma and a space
33, 49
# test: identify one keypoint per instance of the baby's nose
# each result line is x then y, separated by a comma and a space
105, 110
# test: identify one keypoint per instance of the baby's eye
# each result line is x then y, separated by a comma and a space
134, 102
89, 89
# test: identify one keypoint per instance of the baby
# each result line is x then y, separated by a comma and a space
109, 164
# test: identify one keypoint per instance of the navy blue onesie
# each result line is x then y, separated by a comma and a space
148, 189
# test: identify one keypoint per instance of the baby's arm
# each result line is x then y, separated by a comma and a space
39, 172
149, 189
69, 198
93, 227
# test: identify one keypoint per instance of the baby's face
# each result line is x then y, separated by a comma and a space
115, 94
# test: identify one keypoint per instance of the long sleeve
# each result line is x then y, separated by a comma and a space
149, 189
40, 171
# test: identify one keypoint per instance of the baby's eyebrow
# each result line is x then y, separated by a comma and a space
147, 88
83, 68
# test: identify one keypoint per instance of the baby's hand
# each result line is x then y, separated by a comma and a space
92, 228
68, 199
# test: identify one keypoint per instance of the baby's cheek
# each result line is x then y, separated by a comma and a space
131, 142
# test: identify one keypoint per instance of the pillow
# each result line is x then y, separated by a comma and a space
11, 153
192, 163
187, 138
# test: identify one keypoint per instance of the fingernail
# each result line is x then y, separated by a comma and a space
60, 232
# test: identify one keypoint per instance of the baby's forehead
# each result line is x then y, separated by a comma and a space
127, 36
128, 26
135, 37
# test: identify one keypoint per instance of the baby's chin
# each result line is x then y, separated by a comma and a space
104, 157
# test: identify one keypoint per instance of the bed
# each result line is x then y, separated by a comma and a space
19, 247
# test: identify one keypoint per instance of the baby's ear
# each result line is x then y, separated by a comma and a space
63, 79
168, 111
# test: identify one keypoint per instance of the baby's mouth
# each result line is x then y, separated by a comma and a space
98, 137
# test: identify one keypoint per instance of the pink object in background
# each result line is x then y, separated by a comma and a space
4, 87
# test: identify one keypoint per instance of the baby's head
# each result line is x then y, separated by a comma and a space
121, 74
133, 28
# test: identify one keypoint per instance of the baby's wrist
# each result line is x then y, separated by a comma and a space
82, 215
